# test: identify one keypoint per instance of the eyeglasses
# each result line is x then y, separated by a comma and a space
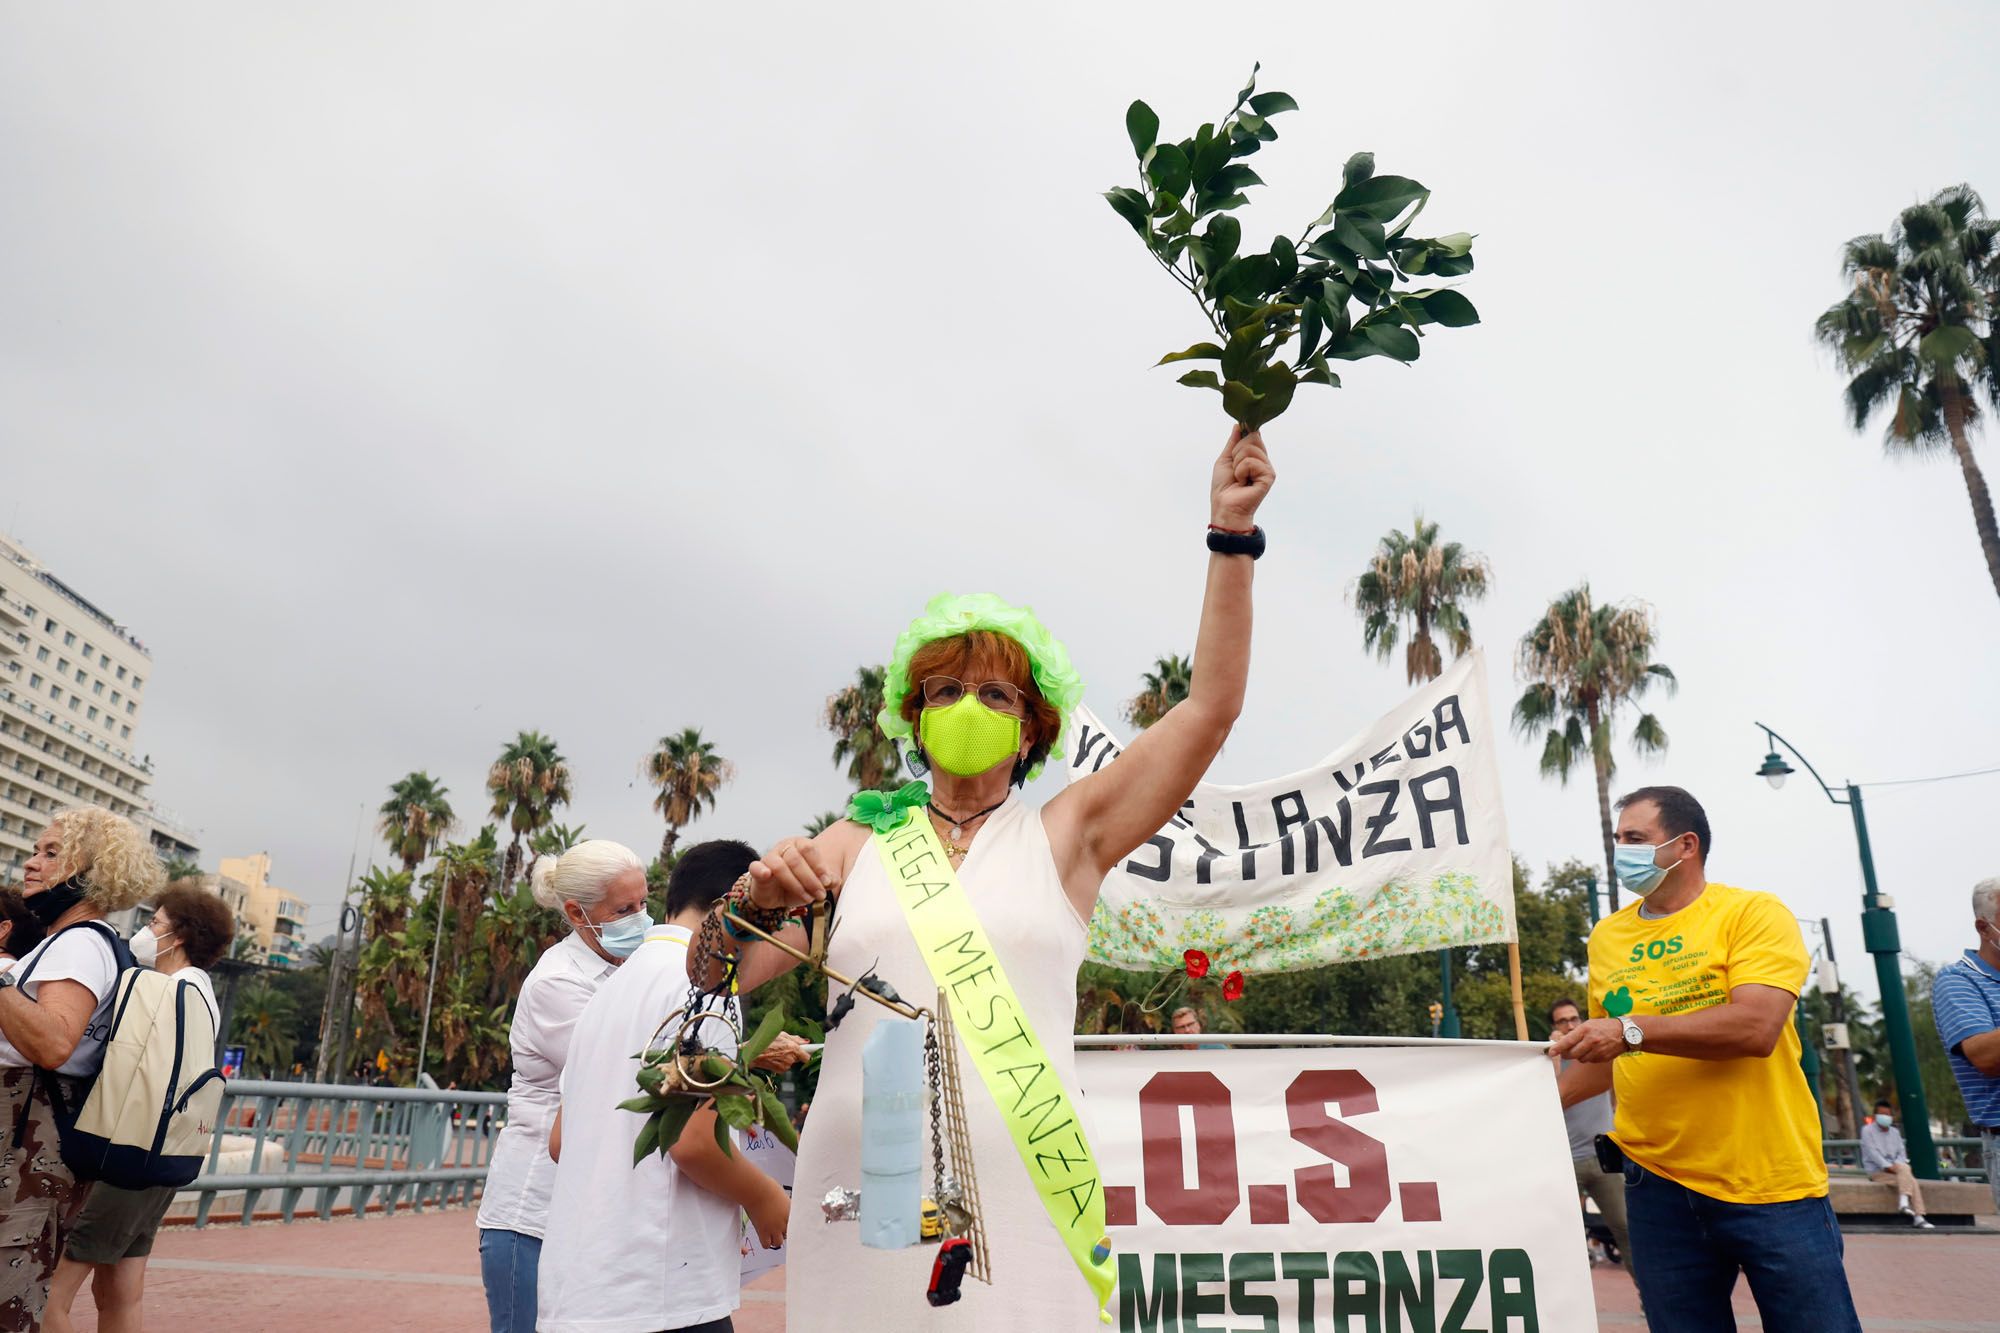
999, 695
1567, 1020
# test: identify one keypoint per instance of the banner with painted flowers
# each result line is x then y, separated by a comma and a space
1394, 843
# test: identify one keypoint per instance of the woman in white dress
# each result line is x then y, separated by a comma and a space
981, 691
600, 888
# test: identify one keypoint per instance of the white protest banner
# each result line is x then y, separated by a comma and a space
761, 1148
1395, 843
1290, 1190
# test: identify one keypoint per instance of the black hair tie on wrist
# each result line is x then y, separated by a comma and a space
1223, 541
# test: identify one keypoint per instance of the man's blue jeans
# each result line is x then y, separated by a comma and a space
508, 1261
1687, 1249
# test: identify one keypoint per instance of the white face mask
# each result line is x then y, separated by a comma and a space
145, 947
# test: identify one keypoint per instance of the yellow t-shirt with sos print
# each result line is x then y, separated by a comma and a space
1742, 1130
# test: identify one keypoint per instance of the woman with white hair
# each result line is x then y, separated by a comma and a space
87, 864
600, 888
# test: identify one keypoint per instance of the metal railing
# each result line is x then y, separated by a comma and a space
353, 1147
1958, 1159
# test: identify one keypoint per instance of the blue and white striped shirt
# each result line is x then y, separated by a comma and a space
1965, 1001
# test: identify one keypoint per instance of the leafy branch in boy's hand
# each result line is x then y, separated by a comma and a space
1341, 287
747, 1095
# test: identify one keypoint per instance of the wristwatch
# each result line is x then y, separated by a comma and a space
6, 978
1635, 1036
1231, 541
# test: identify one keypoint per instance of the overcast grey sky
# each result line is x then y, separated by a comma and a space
406, 376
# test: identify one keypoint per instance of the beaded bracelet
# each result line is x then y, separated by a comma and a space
770, 920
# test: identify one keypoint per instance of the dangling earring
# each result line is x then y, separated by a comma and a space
1020, 775
918, 761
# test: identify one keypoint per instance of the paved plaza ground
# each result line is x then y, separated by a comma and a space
422, 1272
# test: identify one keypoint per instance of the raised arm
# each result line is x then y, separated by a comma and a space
1096, 822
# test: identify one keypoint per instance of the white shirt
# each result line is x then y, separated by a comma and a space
520, 1176
80, 954
207, 989
631, 1249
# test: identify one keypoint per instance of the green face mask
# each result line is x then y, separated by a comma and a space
968, 737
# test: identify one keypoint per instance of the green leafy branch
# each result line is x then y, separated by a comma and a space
1341, 287
744, 1096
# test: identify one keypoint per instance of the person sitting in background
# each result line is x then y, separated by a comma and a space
634, 1248
191, 928
54, 1007
19, 930
1585, 1121
1187, 1023
1965, 1002
1884, 1158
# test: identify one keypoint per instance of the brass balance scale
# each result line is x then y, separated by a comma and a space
696, 1073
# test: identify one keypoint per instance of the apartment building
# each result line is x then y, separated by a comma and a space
72, 691
274, 918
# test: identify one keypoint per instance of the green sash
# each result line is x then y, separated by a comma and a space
1012, 1062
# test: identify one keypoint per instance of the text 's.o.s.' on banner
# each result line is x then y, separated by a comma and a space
1317, 1188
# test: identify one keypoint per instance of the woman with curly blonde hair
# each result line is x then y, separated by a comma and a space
87, 863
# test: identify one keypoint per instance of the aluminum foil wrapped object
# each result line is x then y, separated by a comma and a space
841, 1204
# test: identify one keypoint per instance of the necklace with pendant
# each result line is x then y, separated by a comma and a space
950, 840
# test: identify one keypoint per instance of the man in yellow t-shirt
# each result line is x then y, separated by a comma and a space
1691, 994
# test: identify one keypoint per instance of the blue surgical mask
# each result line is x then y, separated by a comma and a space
1636, 871
624, 935
1884, 1119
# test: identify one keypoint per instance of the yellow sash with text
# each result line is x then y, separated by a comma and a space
1010, 1058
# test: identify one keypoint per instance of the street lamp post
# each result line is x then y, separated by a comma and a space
1880, 937
1448, 1020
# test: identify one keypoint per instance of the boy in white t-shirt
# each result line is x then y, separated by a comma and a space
637, 1249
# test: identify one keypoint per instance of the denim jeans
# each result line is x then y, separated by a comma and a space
507, 1264
1687, 1249
1989, 1153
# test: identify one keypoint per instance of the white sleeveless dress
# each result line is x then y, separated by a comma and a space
834, 1284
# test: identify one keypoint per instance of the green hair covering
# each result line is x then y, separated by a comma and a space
949, 615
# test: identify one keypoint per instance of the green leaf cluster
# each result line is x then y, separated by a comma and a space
748, 1097
1340, 290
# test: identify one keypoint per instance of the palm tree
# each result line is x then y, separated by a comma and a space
1166, 685
1918, 334
858, 742
819, 824
179, 868
385, 901
266, 1026
689, 773
527, 782
1583, 663
555, 839
464, 873
1418, 581
517, 930
416, 818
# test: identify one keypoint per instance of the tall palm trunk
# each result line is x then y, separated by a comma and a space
512, 870
672, 836
1601, 762
1975, 483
